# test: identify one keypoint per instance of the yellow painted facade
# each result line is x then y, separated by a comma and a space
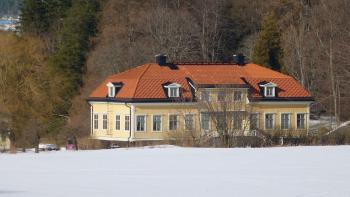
109, 120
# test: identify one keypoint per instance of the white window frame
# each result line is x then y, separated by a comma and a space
127, 123
209, 122
289, 120
273, 121
115, 119
177, 122
103, 121
269, 85
94, 119
144, 123
161, 123
296, 120
111, 89
173, 86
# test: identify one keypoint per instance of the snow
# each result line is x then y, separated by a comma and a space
174, 171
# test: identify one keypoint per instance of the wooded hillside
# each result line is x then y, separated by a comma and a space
85, 41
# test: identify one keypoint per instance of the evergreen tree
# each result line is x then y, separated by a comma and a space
267, 50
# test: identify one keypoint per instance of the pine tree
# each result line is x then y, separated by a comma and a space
267, 50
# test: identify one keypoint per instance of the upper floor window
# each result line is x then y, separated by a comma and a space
269, 89
205, 95
112, 88
221, 96
237, 95
173, 90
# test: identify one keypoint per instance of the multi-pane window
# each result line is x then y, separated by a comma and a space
157, 123
189, 121
253, 121
205, 95
300, 121
237, 95
173, 122
117, 122
140, 123
127, 123
221, 96
285, 121
269, 121
205, 119
173, 92
270, 91
95, 121
105, 121
237, 120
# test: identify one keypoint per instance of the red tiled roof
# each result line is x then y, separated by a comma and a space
147, 81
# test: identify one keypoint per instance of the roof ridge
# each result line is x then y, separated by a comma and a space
138, 79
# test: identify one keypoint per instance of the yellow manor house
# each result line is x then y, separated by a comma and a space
165, 101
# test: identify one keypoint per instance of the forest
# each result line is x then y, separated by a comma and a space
64, 49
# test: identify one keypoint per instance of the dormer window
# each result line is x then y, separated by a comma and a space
173, 90
269, 89
112, 88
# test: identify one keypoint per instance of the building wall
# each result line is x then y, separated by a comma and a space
4, 143
166, 109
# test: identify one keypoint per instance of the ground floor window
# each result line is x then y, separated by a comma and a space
300, 121
127, 123
189, 121
105, 121
205, 119
157, 123
269, 121
173, 122
254, 121
95, 121
237, 120
117, 122
285, 121
140, 123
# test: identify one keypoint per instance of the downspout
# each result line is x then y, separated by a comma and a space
129, 123
91, 119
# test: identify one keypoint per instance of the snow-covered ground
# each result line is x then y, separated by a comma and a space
173, 171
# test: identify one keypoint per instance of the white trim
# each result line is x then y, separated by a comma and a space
289, 118
161, 123
145, 123
173, 85
177, 122
128, 123
105, 113
296, 120
115, 122
93, 121
273, 120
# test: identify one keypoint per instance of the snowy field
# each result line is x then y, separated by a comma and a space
173, 171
